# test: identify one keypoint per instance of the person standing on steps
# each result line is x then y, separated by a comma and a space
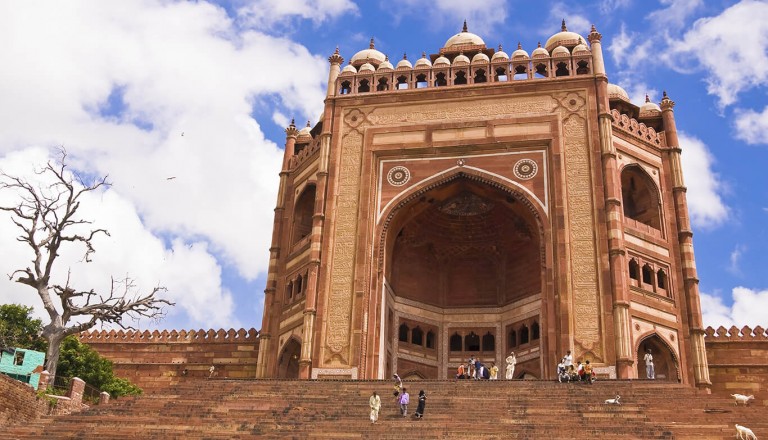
649, 371
511, 362
422, 403
568, 360
404, 400
375, 403
494, 371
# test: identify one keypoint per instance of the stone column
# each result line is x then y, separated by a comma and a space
76, 390
685, 240
613, 213
270, 304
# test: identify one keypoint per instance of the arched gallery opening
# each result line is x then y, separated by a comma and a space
288, 362
463, 276
664, 361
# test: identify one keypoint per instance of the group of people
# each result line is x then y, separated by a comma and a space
581, 372
401, 397
474, 369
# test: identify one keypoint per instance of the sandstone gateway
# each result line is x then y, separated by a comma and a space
473, 202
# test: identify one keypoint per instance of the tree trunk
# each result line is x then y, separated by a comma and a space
52, 356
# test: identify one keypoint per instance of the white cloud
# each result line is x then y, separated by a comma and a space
731, 47
450, 14
734, 266
675, 14
177, 67
751, 126
705, 204
575, 21
269, 14
748, 308
609, 6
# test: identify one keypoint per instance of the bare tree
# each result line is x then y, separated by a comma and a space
46, 214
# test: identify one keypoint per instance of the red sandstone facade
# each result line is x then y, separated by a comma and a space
475, 202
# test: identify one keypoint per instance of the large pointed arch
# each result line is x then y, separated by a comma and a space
665, 358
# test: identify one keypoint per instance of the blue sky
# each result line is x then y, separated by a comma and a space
201, 91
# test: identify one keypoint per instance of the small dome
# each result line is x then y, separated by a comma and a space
500, 55
348, 69
304, 133
480, 58
370, 55
649, 107
423, 62
463, 38
616, 92
563, 38
441, 60
581, 48
461, 59
520, 53
404, 63
540, 52
561, 51
367, 67
385, 64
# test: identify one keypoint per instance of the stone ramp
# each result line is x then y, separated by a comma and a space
248, 409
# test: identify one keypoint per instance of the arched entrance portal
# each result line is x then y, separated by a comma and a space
664, 361
463, 277
288, 363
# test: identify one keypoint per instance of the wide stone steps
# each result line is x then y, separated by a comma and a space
247, 409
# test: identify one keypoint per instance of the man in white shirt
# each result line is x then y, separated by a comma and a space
568, 360
648, 358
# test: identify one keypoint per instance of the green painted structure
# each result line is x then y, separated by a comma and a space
23, 365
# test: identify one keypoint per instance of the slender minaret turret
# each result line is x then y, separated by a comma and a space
274, 254
335, 59
685, 240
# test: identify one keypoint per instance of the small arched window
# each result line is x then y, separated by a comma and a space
634, 270
472, 342
289, 291
421, 81
535, 331
480, 76
299, 285
540, 71
346, 88
524, 335
402, 334
582, 68
364, 86
455, 342
647, 274
460, 78
402, 83
501, 74
440, 80
382, 85
661, 279
640, 198
512, 341
521, 72
417, 336
489, 342
431, 340
562, 69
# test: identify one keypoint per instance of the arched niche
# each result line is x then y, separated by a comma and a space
640, 197
302, 214
288, 361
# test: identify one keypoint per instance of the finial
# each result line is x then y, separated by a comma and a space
293, 122
423, 54
500, 48
594, 29
539, 43
336, 52
563, 28
520, 46
386, 57
371, 45
308, 124
664, 94
405, 56
647, 99
464, 29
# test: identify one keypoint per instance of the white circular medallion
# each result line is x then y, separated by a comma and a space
525, 169
398, 176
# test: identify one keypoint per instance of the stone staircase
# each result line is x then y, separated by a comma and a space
247, 409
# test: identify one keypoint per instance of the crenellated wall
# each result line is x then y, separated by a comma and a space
738, 360
156, 360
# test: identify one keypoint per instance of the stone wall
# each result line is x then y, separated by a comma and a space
156, 360
738, 361
18, 402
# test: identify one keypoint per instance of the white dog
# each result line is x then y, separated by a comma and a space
740, 398
613, 401
744, 433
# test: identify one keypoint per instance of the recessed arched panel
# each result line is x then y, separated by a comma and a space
288, 362
640, 197
302, 214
